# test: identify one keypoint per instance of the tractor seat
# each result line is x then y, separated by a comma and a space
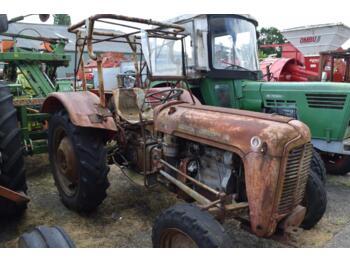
128, 103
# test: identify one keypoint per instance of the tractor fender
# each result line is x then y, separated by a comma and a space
83, 108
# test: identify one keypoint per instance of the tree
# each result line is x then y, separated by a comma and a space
267, 36
62, 19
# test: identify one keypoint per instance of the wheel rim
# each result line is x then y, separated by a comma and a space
338, 163
65, 163
175, 238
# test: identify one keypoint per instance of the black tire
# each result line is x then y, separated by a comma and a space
197, 225
3, 23
315, 201
12, 172
89, 160
46, 237
318, 166
337, 164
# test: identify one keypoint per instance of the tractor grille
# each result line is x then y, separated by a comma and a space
330, 101
295, 178
280, 103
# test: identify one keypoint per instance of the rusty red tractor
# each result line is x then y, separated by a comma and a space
227, 163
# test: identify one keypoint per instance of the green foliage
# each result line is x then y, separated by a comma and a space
62, 19
270, 35
261, 55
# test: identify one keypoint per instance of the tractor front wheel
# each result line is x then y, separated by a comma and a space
315, 201
185, 226
78, 162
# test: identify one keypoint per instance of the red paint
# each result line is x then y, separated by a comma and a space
293, 66
310, 39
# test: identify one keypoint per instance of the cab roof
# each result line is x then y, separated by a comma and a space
186, 17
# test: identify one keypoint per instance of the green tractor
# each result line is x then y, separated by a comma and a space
13, 198
28, 77
223, 68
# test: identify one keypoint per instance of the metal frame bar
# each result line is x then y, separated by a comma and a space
37, 38
200, 184
13, 195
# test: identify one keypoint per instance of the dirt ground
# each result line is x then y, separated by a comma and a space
126, 216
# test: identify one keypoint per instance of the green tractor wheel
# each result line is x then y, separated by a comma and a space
337, 164
318, 166
315, 201
12, 172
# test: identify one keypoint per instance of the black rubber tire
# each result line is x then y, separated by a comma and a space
46, 237
199, 225
91, 161
318, 166
12, 172
3, 23
337, 165
315, 201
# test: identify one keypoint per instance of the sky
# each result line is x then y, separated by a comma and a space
281, 14
265, 19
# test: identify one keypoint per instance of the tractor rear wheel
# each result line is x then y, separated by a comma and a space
337, 164
315, 201
185, 225
12, 172
46, 237
78, 159
318, 166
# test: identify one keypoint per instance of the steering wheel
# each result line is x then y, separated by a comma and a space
129, 79
173, 93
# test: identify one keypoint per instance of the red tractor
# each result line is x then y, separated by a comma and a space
225, 163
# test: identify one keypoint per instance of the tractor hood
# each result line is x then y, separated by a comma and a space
324, 106
225, 128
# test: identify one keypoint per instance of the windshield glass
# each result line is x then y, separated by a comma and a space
234, 44
163, 56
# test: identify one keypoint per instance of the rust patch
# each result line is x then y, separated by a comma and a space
83, 107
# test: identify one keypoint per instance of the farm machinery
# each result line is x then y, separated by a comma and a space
28, 77
335, 66
223, 70
226, 163
19, 107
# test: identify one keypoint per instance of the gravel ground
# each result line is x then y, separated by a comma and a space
125, 218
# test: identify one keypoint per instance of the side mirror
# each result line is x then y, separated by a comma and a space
44, 17
4, 25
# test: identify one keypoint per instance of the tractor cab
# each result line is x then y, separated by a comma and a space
221, 46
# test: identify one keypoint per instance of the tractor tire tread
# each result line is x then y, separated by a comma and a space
198, 224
